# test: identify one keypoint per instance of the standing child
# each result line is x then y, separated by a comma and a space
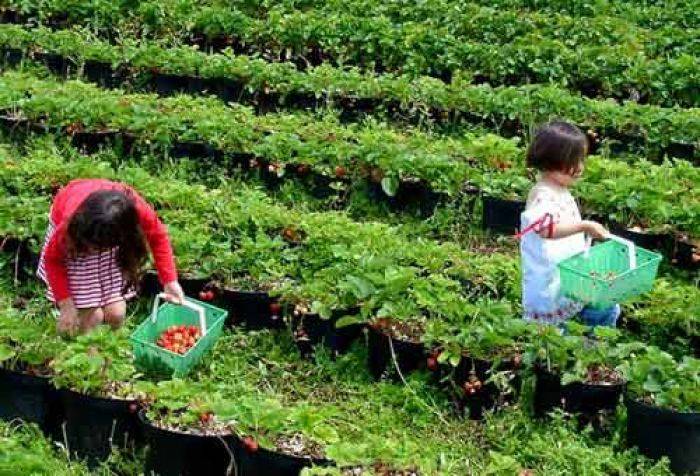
95, 247
552, 229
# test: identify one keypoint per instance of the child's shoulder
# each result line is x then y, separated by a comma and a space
542, 191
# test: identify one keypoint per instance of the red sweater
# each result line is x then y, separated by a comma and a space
67, 201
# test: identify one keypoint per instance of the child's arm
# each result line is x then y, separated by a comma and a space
592, 228
158, 241
57, 277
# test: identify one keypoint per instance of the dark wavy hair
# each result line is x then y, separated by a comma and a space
557, 146
108, 219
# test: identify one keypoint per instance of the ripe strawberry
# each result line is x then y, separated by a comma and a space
517, 360
206, 295
303, 169
250, 444
205, 418
340, 171
432, 364
275, 308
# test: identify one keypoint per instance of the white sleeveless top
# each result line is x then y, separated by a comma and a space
541, 298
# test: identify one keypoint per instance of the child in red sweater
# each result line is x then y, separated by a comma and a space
95, 247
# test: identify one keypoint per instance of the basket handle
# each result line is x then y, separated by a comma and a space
189, 304
630, 248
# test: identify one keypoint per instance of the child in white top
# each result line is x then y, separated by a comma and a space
552, 229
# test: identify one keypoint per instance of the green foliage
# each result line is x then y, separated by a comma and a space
655, 377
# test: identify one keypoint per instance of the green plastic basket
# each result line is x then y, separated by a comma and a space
608, 273
157, 360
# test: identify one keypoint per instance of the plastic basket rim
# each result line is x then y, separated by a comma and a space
653, 259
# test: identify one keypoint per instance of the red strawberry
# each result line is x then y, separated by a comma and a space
275, 308
206, 295
250, 444
340, 171
517, 360
205, 418
432, 364
303, 169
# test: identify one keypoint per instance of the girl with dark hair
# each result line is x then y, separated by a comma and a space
552, 229
95, 246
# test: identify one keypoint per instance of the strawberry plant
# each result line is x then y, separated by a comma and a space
656, 378
98, 363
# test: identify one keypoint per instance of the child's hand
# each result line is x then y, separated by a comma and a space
68, 319
595, 229
174, 292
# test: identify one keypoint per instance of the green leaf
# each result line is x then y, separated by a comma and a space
348, 321
6, 352
390, 185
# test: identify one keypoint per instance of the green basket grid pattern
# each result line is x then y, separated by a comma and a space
604, 278
154, 359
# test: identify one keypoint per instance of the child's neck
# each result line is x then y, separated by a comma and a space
551, 180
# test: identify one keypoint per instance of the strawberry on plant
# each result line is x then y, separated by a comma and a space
340, 171
275, 308
432, 364
250, 444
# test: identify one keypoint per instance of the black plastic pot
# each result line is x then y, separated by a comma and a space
684, 255
23, 258
312, 330
251, 309
57, 64
181, 454
29, 398
101, 73
414, 196
192, 149
264, 462
12, 56
651, 241
575, 397
169, 84
410, 356
90, 142
502, 216
485, 398
93, 425
661, 432
227, 90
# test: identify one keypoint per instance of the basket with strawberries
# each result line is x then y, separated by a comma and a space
176, 337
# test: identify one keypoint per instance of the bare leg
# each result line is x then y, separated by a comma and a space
114, 314
90, 318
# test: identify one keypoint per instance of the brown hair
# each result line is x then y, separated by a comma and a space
557, 146
108, 219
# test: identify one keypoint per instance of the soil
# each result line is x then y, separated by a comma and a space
599, 375
379, 469
408, 331
211, 429
298, 445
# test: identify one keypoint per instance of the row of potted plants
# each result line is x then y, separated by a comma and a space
235, 77
417, 48
30, 176
583, 372
651, 15
392, 160
325, 267
500, 25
